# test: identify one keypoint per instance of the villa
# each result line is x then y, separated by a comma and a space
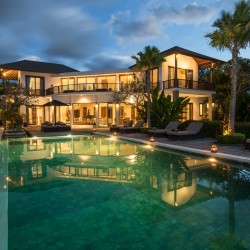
86, 97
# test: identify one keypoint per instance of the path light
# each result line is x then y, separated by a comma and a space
213, 165
214, 149
151, 139
115, 133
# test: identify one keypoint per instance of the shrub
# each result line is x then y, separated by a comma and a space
243, 128
211, 128
231, 139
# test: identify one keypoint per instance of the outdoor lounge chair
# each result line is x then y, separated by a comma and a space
172, 125
192, 131
127, 124
134, 129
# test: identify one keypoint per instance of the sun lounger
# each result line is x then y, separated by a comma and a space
134, 129
172, 125
192, 131
127, 124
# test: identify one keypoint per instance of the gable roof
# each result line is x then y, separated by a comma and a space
202, 60
35, 66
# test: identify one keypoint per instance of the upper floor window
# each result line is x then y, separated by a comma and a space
184, 74
154, 77
106, 82
126, 78
86, 83
68, 84
35, 84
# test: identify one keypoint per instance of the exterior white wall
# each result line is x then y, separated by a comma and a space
183, 62
47, 77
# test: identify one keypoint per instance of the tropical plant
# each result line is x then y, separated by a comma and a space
232, 32
14, 96
145, 60
163, 110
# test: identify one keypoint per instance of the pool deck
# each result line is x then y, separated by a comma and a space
198, 146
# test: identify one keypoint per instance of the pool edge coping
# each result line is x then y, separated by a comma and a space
240, 159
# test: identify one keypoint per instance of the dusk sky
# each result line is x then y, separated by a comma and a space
103, 34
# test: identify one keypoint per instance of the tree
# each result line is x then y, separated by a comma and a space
145, 60
134, 90
163, 110
232, 33
14, 96
221, 80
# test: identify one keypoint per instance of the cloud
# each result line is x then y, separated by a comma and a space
191, 13
154, 17
52, 31
123, 24
77, 37
105, 61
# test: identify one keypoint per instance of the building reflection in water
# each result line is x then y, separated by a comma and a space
173, 177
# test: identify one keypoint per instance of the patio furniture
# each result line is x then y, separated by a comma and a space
247, 144
127, 124
163, 132
134, 129
192, 131
57, 127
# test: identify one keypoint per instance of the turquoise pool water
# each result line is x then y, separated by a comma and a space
87, 192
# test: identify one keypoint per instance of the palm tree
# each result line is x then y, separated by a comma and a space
232, 33
148, 58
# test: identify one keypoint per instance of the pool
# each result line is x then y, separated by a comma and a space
94, 192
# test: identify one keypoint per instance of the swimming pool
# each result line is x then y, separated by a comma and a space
90, 192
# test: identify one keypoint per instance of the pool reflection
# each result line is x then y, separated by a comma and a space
176, 179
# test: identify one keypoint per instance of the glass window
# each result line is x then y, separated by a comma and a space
68, 84
35, 85
84, 114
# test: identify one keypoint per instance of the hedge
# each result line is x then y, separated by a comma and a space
231, 139
243, 128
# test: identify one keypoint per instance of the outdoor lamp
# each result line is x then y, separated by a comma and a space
151, 139
214, 149
115, 133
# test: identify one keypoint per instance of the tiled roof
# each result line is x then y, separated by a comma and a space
34, 66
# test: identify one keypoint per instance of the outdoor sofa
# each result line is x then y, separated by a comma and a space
57, 127
192, 131
134, 129
172, 125
127, 124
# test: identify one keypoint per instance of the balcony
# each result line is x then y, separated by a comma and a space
37, 92
187, 84
89, 87
86, 87
25, 91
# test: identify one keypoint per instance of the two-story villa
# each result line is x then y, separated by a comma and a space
82, 99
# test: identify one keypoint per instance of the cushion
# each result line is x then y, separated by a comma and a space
46, 123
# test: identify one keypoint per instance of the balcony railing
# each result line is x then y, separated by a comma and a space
37, 92
88, 87
25, 91
187, 84
84, 87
